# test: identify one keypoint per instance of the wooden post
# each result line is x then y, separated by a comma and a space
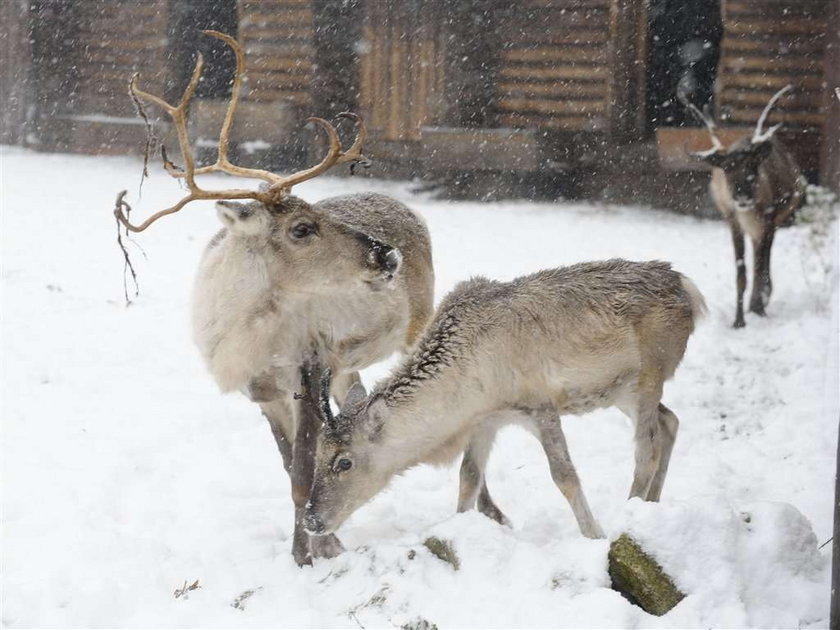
830, 150
834, 617
16, 95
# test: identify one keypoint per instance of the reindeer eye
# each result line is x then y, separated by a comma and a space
342, 464
302, 230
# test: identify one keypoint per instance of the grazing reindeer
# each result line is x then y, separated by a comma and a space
757, 187
560, 341
349, 277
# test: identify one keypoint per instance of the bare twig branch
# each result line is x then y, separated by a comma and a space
185, 589
151, 138
121, 207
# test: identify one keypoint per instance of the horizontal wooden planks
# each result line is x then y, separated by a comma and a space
280, 53
402, 70
119, 39
554, 69
767, 45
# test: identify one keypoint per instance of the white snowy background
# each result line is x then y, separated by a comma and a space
126, 473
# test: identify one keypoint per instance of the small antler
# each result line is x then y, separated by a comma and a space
315, 381
278, 185
705, 118
758, 136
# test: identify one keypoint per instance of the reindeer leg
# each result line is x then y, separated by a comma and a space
762, 286
668, 425
281, 420
305, 546
303, 471
280, 414
648, 441
740, 272
473, 484
488, 507
653, 437
550, 433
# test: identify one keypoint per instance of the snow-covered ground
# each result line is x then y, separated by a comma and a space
125, 473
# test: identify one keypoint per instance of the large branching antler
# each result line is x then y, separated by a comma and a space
758, 135
705, 118
278, 185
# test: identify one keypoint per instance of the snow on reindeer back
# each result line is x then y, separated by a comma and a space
750, 565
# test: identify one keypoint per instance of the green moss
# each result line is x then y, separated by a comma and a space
640, 579
419, 624
443, 550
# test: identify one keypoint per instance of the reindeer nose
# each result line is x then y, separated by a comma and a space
384, 257
313, 523
390, 259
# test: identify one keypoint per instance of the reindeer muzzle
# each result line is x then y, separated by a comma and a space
384, 259
313, 524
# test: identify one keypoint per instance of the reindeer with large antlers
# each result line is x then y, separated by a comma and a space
757, 186
348, 278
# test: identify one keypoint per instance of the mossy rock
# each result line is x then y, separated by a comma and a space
443, 550
640, 579
419, 624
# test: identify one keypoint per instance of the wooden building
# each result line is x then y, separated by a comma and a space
465, 90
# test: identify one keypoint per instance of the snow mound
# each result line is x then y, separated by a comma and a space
756, 565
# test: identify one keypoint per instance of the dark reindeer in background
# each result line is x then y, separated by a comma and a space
349, 278
757, 186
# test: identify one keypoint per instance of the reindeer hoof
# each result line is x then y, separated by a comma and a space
758, 309
487, 507
494, 513
739, 323
301, 549
302, 559
326, 546
593, 531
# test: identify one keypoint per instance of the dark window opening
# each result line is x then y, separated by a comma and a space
56, 55
684, 48
187, 18
337, 31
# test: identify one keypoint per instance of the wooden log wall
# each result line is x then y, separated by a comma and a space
119, 38
278, 36
402, 57
555, 65
768, 44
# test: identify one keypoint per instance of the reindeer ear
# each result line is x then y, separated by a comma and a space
377, 411
715, 159
245, 219
761, 150
230, 212
355, 395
